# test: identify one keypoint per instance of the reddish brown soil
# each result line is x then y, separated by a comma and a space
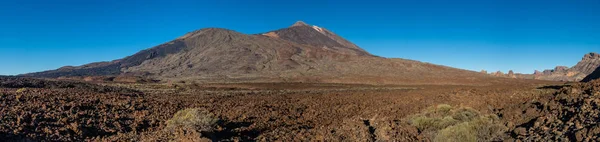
569, 114
263, 112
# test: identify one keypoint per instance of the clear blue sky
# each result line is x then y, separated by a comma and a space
522, 35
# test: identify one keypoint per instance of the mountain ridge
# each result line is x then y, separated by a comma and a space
579, 72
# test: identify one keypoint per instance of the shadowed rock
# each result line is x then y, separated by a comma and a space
594, 75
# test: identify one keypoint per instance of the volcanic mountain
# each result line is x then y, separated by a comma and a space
300, 53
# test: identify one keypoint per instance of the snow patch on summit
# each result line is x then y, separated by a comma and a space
318, 28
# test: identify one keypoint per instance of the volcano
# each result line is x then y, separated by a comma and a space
299, 53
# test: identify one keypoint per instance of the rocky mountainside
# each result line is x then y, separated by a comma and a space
579, 72
302, 33
593, 76
300, 53
583, 68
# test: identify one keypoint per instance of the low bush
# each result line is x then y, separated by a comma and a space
194, 118
21, 90
192, 124
445, 123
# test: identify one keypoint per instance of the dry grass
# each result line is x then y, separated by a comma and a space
445, 123
21, 90
192, 124
194, 118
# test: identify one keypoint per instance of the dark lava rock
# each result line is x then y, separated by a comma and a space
572, 113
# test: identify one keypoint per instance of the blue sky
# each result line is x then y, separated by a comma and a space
37, 35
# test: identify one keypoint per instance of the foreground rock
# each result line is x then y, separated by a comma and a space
37, 110
570, 114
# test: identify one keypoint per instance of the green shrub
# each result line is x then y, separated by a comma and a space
484, 128
465, 114
193, 118
445, 123
428, 123
444, 108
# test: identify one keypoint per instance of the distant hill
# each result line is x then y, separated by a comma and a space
299, 53
581, 70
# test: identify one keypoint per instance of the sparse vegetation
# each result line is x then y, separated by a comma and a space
445, 123
21, 90
192, 124
193, 118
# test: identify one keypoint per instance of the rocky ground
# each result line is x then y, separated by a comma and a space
39, 110
569, 114
65, 111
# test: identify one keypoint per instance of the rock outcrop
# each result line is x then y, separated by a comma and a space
593, 76
579, 72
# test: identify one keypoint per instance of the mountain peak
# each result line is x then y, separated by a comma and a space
591, 56
299, 23
316, 36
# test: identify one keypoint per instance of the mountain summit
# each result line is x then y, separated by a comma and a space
299, 23
298, 53
303, 33
591, 56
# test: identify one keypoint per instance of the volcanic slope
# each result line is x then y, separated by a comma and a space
300, 53
594, 75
